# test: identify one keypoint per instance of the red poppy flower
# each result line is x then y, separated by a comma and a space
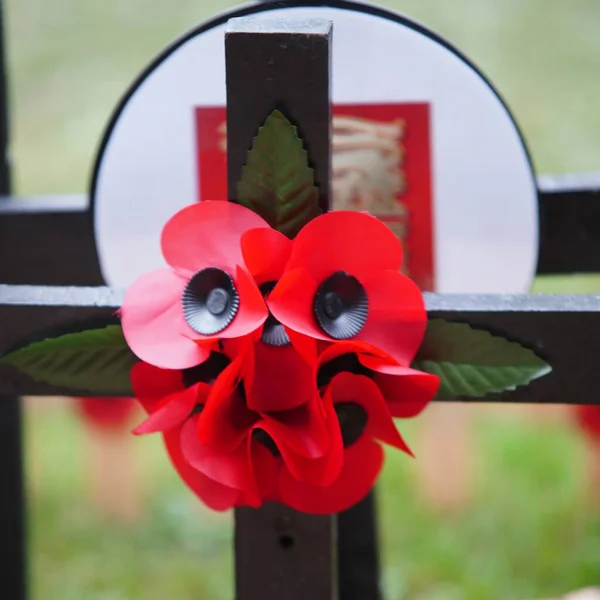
225, 480
298, 435
106, 413
276, 376
173, 317
365, 389
342, 282
365, 420
406, 391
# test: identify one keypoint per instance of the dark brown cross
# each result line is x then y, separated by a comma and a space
279, 553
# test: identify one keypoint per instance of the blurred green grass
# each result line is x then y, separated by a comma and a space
529, 533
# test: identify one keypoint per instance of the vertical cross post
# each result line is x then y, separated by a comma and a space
285, 65
12, 503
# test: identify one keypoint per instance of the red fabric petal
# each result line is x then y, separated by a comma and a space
229, 468
325, 470
397, 317
173, 410
266, 252
406, 391
207, 234
362, 463
281, 379
153, 322
149, 381
265, 468
360, 390
362, 349
305, 346
303, 430
213, 494
291, 303
349, 241
225, 420
107, 413
252, 312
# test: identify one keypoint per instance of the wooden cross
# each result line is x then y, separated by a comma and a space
284, 63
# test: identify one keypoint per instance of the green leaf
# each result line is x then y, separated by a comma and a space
96, 360
277, 182
473, 362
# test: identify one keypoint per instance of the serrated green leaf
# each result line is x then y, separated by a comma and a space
473, 362
277, 182
96, 360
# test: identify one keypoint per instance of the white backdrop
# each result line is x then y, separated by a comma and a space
484, 194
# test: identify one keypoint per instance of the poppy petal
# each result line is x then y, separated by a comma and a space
207, 234
291, 303
347, 388
326, 469
252, 312
265, 252
305, 346
397, 318
149, 381
406, 391
229, 468
350, 241
173, 410
153, 322
303, 429
213, 494
281, 380
265, 468
362, 463
225, 420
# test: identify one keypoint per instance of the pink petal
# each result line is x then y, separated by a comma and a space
153, 323
207, 234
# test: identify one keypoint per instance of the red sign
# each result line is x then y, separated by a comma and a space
381, 163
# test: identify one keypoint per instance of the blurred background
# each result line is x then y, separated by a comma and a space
530, 528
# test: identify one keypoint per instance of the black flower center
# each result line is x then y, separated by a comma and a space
353, 421
341, 306
206, 372
210, 301
274, 333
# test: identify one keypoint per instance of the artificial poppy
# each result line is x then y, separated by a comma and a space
406, 391
277, 377
342, 282
173, 317
297, 435
364, 420
227, 480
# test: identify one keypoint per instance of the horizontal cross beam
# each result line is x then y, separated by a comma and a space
64, 252
563, 329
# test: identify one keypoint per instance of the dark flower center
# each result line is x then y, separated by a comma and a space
341, 306
210, 301
274, 333
353, 421
207, 372
347, 363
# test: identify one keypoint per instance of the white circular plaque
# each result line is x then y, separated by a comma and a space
448, 167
